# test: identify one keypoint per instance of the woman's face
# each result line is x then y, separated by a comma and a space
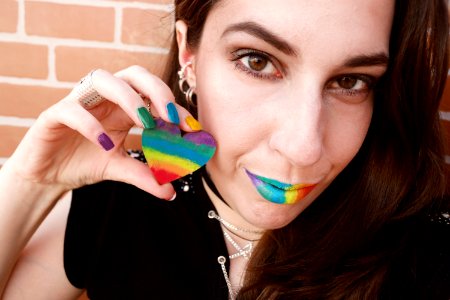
285, 87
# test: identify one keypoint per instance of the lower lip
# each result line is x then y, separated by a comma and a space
279, 192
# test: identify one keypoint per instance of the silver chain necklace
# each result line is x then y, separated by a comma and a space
244, 252
231, 293
212, 215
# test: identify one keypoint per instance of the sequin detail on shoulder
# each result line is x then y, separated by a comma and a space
441, 218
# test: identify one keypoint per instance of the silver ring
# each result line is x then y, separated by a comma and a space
88, 96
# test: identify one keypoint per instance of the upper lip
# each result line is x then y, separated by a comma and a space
281, 185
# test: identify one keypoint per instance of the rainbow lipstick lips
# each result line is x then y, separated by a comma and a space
280, 192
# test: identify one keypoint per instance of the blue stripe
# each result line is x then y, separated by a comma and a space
198, 154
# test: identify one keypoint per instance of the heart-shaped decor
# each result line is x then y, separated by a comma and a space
170, 155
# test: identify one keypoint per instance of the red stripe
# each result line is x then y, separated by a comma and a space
163, 176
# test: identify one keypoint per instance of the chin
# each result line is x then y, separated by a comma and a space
270, 216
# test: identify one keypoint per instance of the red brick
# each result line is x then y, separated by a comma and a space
73, 63
23, 60
11, 137
446, 126
445, 104
69, 21
8, 16
147, 27
27, 101
133, 142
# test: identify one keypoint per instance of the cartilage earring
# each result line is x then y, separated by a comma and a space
188, 91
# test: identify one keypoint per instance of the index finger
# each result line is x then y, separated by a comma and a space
119, 92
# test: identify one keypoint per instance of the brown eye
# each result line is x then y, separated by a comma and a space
347, 82
257, 63
351, 87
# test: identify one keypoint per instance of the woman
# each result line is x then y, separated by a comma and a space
327, 180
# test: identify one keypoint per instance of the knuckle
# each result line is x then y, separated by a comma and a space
137, 69
99, 72
45, 114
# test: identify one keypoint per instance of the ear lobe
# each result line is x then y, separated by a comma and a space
185, 54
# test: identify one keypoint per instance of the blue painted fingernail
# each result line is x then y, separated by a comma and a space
105, 141
173, 113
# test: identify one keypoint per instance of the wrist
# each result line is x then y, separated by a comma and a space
27, 191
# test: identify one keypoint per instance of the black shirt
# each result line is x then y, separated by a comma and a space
123, 243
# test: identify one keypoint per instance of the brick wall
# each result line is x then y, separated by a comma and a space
46, 46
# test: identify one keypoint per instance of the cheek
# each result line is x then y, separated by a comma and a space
227, 98
224, 104
218, 114
347, 133
229, 110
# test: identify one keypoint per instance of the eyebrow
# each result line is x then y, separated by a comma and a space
259, 31
377, 59
255, 29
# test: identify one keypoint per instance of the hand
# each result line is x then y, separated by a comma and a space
62, 148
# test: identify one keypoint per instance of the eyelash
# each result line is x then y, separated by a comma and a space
368, 81
239, 65
238, 55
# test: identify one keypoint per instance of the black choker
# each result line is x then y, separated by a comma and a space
211, 185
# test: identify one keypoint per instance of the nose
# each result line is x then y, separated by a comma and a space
298, 132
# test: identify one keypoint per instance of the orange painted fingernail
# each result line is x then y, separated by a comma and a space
193, 123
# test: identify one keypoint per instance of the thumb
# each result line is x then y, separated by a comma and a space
127, 169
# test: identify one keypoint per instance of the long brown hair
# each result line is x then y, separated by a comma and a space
343, 245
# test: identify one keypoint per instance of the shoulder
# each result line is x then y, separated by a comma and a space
442, 219
119, 234
432, 248
433, 237
433, 232
419, 258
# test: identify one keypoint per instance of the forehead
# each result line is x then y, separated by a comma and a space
351, 25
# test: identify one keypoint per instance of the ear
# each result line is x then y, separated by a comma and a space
185, 54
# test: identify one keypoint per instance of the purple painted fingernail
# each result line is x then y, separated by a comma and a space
105, 141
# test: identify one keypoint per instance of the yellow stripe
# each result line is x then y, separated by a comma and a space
291, 197
170, 162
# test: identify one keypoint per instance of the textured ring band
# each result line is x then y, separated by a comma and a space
88, 96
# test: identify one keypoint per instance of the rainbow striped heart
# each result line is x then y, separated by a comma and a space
170, 155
